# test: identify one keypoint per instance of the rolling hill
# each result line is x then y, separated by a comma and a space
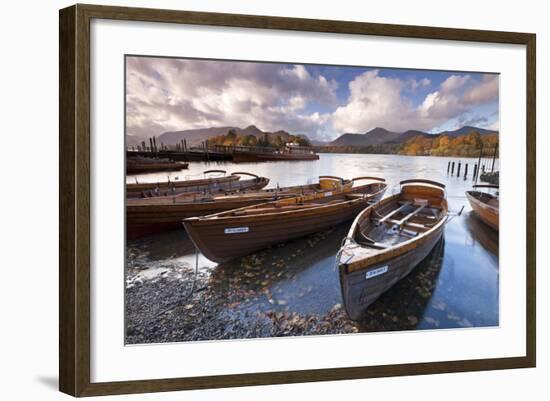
381, 136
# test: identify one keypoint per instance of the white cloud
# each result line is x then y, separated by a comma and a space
377, 101
454, 82
176, 94
486, 91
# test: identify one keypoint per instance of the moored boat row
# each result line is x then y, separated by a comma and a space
145, 216
208, 184
389, 236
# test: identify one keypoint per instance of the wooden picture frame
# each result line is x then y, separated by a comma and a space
74, 204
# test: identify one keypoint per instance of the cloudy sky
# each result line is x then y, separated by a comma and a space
321, 102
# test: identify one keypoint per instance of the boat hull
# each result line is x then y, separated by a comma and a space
143, 220
360, 288
388, 240
221, 240
485, 212
134, 190
153, 215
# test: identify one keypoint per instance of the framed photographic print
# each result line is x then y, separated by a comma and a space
250, 200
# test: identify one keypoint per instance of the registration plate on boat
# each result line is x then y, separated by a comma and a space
376, 272
236, 230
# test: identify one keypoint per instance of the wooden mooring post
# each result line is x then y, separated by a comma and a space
448, 167
494, 157
453, 168
478, 165
465, 170
458, 170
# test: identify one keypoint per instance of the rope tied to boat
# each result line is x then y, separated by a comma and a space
184, 299
341, 251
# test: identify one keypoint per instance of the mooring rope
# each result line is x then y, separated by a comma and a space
184, 299
340, 251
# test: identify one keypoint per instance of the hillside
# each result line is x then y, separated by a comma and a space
195, 137
376, 136
381, 136
466, 145
273, 139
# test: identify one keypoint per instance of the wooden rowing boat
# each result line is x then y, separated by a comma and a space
231, 234
485, 205
387, 240
152, 215
225, 183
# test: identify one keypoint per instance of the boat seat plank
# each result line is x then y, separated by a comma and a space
410, 215
412, 225
393, 212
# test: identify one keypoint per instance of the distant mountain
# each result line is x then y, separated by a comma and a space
466, 130
381, 136
405, 136
375, 136
195, 137
317, 142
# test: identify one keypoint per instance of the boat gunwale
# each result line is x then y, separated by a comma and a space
216, 218
136, 187
385, 254
234, 195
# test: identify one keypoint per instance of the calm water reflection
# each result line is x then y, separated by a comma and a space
456, 286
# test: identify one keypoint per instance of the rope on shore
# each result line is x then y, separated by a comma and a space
184, 299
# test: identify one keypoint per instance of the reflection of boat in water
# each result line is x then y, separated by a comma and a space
482, 233
304, 263
404, 306
485, 205
210, 184
227, 235
387, 240
150, 215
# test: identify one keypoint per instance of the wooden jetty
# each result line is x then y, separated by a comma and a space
231, 234
490, 177
138, 165
194, 154
388, 240
240, 154
236, 154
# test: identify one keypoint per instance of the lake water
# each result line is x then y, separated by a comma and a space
456, 286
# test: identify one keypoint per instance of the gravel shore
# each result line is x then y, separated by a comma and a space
249, 298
